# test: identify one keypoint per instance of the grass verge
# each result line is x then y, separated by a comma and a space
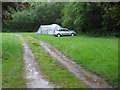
12, 64
99, 55
54, 71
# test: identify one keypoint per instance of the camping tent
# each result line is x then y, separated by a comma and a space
47, 29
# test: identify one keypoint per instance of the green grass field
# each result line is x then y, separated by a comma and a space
99, 55
12, 64
53, 70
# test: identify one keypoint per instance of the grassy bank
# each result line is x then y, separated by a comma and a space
99, 55
12, 65
54, 71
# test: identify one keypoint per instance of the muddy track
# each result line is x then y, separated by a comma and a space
32, 74
87, 77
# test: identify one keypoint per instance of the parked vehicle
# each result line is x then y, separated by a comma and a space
64, 31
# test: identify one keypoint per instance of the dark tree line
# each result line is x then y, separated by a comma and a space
9, 8
97, 19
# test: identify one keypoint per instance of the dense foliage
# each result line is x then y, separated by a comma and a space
9, 8
98, 19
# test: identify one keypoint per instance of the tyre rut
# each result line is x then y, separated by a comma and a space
32, 73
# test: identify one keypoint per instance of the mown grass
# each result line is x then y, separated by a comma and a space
54, 71
12, 64
99, 55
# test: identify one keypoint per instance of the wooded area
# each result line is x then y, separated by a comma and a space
95, 18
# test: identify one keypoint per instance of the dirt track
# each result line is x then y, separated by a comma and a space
35, 77
90, 79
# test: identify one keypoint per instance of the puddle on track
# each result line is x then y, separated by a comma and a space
34, 77
90, 79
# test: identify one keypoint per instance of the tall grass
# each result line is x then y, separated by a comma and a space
12, 64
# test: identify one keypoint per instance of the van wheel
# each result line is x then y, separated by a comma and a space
58, 35
72, 34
